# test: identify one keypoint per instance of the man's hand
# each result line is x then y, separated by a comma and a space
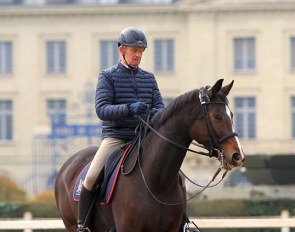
137, 108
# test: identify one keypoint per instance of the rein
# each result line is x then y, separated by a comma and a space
196, 194
220, 158
172, 142
213, 151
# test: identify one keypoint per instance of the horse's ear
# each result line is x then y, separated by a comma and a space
227, 88
216, 87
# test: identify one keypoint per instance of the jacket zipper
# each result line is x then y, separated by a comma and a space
134, 84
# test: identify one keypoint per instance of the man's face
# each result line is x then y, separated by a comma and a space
132, 55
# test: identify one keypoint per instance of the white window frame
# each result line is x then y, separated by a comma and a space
56, 57
292, 51
164, 52
244, 54
293, 116
56, 111
6, 57
245, 117
10, 2
6, 121
109, 54
59, 1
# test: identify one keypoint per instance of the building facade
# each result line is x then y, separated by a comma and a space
52, 51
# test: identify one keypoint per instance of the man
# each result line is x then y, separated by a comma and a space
123, 92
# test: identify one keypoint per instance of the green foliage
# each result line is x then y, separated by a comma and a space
240, 208
43, 210
216, 208
9, 191
242, 230
268, 207
11, 210
43, 205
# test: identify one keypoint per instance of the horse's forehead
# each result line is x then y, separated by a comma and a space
223, 105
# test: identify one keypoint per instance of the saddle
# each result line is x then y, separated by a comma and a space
110, 175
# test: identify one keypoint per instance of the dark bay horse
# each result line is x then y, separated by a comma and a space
151, 198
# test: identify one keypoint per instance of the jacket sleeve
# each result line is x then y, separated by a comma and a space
104, 98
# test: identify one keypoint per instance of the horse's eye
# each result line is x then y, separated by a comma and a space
217, 116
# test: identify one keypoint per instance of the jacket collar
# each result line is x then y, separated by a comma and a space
131, 71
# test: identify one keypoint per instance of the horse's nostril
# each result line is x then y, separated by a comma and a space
236, 159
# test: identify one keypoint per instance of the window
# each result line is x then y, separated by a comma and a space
164, 55
293, 54
56, 57
56, 110
293, 116
59, 1
245, 119
10, 2
109, 54
6, 122
244, 54
5, 58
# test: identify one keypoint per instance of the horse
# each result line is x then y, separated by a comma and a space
152, 198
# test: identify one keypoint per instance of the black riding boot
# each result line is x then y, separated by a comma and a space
85, 209
185, 225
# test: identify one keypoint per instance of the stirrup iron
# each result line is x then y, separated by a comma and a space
186, 227
81, 228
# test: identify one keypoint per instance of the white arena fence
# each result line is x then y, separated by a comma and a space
284, 221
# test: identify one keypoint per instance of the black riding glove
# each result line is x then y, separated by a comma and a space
137, 108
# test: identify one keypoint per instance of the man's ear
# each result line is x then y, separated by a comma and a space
121, 49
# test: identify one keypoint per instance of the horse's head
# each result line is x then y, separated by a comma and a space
218, 133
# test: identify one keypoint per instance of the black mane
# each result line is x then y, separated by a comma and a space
175, 105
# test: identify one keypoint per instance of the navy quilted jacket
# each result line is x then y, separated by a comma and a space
117, 87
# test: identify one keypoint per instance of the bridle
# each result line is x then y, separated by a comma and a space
214, 141
214, 150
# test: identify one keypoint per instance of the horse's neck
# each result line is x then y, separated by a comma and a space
162, 160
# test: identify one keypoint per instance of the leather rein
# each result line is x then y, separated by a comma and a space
215, 142
214, 151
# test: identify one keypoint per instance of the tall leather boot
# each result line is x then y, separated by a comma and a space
85, 209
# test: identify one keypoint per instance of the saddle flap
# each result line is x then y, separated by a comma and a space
111, 172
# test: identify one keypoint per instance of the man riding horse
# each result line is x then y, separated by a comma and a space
123, 92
